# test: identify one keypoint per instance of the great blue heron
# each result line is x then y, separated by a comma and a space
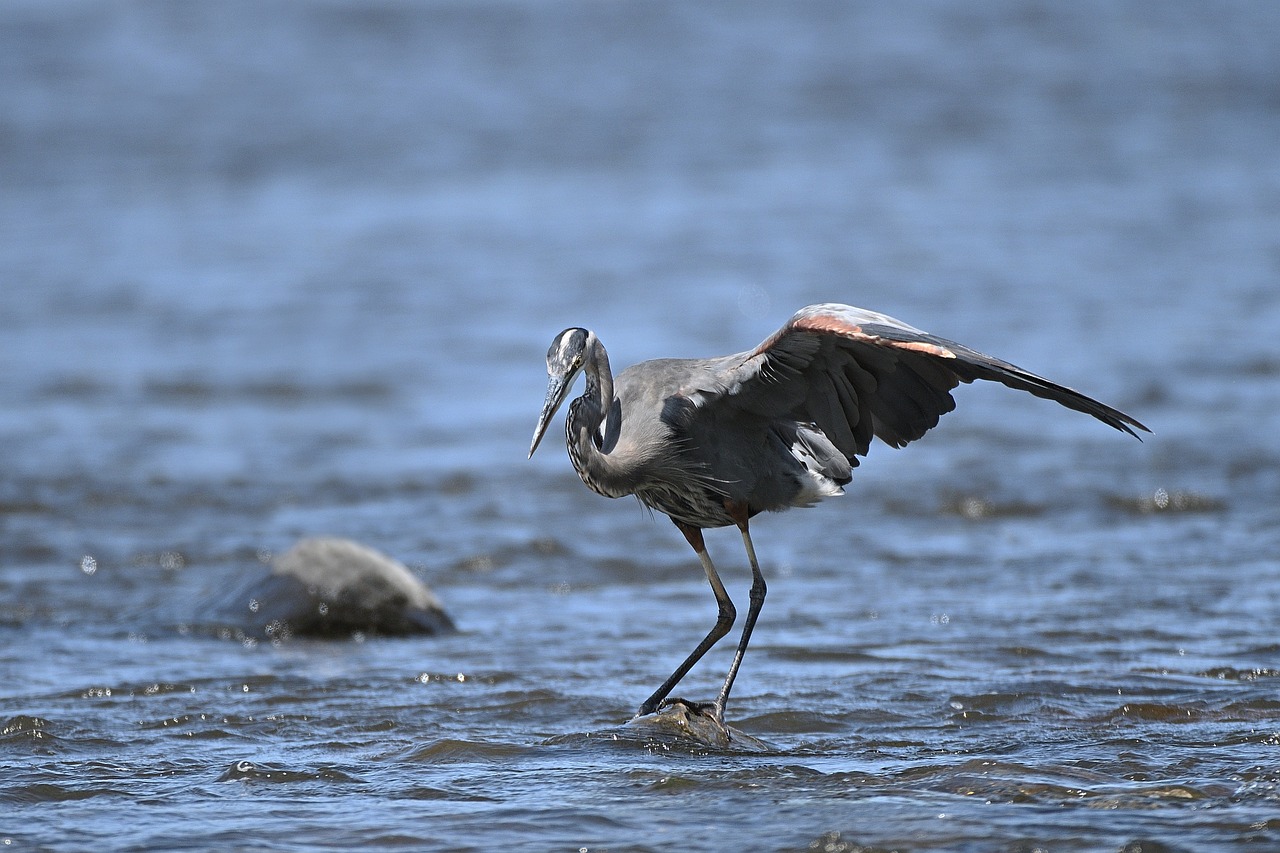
711, 442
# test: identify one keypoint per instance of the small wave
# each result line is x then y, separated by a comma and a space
425, 792
797, 722
1003, 782
1165, 501
1258, 783
823, 654
976, 507
1033, 652
29, 731
454, 751
156, 688
1230, 673
196, 391
995, 707
1160, 712
23, 725
79, 388
1157, 712
24, 507
44, 792
256, 772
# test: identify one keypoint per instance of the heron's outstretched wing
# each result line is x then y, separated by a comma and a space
858, 374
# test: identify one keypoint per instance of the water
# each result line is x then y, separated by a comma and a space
276, 271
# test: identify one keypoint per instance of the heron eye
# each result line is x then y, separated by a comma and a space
577, 362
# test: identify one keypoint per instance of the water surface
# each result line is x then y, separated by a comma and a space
274, 272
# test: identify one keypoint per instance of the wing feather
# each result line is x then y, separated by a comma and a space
823, 405
855, 373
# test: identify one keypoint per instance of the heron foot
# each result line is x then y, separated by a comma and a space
705, 709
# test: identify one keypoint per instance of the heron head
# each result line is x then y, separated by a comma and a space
565, 358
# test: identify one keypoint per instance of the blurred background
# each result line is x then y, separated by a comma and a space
272, 270
257, 245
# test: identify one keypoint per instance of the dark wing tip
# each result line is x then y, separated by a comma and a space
975, 365
1127, 423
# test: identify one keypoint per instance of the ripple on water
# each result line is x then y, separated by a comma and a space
48, 792
195, 391
976, 507
1195, 712
1258, 784
24, 728
53, 737
997, 707
797, 722
1230, 673
251, 771
1166, 501
995, 781
455, 751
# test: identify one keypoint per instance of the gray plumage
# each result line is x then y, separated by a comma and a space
712, 442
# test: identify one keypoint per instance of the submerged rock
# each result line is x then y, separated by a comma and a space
329, 587
680, 719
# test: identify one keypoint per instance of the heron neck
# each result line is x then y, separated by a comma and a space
602, 473
599, 378
588, 443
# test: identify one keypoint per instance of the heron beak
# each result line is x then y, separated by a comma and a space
557, 390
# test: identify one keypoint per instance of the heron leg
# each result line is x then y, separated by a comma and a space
724, 620
758, 589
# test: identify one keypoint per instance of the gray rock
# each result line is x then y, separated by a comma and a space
329, 587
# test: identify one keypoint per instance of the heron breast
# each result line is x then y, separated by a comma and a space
699, 507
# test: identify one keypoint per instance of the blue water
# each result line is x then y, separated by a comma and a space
270, 271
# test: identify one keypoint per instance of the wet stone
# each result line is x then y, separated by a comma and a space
333, 588
679, 719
